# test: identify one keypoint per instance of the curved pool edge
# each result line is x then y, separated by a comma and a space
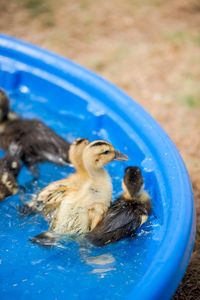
42, 59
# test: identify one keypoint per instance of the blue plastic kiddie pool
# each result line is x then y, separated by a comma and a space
77, 103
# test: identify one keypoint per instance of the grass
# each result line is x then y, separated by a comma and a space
118, 54
196, 39
181, 37
190, 100
41, 9
177, 37
190, 94
141, 3
37, 7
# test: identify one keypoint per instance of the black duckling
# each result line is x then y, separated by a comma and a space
126, 214
38, 142
10, 166
4, 107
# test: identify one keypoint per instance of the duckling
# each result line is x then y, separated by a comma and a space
50, 197
5, 112
10, 166
4, 107
82, 208
126, 214
38, 142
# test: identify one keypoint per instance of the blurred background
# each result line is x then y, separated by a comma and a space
149, 48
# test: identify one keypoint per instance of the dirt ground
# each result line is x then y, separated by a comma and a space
150, 48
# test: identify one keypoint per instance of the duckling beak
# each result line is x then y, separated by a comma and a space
120, 156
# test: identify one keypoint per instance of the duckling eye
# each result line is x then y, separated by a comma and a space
106, 152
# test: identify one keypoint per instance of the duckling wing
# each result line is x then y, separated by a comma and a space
39, 142
121, 220
51, 196
48, 144
47, 239
47, 200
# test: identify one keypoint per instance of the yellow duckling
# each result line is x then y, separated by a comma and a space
50, 197
82, 209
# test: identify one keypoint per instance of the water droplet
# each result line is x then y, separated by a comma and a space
148, 164
24, 89
95, 109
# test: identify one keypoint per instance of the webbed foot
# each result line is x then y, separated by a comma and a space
46, 239
26, 210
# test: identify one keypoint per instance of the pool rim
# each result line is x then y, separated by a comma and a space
160, 279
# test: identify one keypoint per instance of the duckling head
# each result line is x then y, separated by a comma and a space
99, 153
76, 152
4, 106
132, 182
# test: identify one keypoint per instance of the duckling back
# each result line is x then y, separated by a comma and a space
121, 220
126, 214
83, 207
39, 143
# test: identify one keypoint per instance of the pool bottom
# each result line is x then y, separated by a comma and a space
73, 269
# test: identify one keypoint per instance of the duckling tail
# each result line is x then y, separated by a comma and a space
47, 239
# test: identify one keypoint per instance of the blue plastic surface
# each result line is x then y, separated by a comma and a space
76, 102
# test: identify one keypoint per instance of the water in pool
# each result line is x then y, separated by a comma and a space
73, 269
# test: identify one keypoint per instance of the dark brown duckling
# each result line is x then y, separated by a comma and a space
4, 106
126, 214
10, 166
38, 142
